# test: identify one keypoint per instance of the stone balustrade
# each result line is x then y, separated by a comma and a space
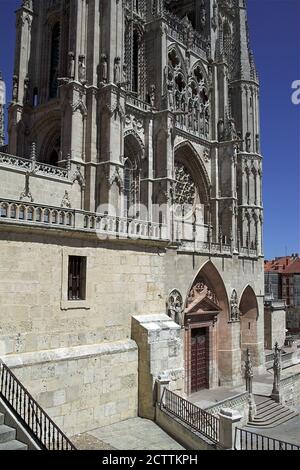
26, 213
33, 166
132, 100
16, 212
177, 31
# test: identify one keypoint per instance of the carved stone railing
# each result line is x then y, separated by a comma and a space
132, 100
26, 213
212, 248
248, 251
33, 166
131, 228
290, 380
16, 162
205, 247
236, 402
16, 212
178, 31
35, 214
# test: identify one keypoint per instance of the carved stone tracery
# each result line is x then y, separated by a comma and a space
175, 306
185, 189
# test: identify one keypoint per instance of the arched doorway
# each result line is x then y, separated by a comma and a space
248, 333
206, 304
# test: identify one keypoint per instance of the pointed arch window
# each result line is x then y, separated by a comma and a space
135, 63
134, 58
131, 188
54, 61
128, 182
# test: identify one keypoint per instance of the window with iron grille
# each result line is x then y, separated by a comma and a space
77, 278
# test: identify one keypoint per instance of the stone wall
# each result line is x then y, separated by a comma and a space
183, 434
290, 390
275, 324
35, 313
39, 327
239, 403
82, 388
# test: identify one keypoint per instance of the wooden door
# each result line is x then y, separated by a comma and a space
199, 359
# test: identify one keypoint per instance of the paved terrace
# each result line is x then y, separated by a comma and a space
262, 385
132, 434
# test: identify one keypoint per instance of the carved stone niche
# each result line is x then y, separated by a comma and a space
175, 307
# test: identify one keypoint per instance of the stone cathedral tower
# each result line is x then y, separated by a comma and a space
135, 125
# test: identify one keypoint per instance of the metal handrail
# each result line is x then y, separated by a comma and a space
203, 422
38, 423
248, 440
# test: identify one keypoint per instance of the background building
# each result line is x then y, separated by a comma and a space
121, 112
282, 282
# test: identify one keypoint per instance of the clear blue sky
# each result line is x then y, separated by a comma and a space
275, 39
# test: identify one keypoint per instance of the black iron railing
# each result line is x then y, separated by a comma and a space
39, 425
198, 419
248, 440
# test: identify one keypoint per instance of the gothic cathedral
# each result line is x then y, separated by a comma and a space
131, 204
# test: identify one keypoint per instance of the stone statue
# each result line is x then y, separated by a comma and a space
170, 91
152, 95
203, 14
220, 130
117, 70
125, 71
232, 134
248, 372
26, 90
82, 70
71, 65
277, 373
248, 142
103, 69
15, 89
257, 143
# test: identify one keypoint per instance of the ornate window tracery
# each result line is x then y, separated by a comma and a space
54, 61
134, 55
188, 95
185, 189
131, 188
131, 178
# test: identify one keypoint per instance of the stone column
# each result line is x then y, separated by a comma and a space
229, 420
277, 373
249, 383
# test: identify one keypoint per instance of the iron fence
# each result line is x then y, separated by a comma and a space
39, 425
248, 440
203, 422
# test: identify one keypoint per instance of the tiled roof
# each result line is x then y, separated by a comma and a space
281, 265
293, 268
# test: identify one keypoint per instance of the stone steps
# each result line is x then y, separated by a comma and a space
13, 445
8, 437
270, 414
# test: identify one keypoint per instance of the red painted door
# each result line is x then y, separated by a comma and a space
199, 365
